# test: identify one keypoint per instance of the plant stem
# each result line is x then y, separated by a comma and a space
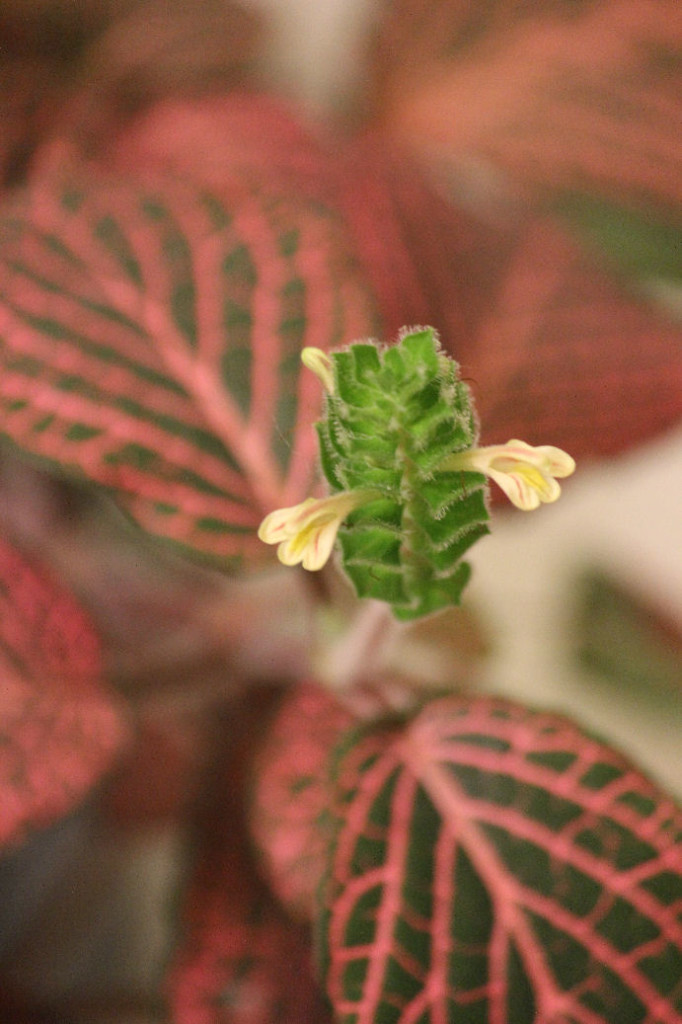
359, 651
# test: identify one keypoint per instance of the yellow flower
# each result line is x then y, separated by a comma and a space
306, 533
527, 475
321, 365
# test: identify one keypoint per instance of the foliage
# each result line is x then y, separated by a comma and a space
495, 863
60, 728
243, 958
392, 418
143, 345
461, 859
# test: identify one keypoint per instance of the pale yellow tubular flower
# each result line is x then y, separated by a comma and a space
306, 533
321, 365
527, 475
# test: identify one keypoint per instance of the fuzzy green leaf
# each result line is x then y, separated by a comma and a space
395, 414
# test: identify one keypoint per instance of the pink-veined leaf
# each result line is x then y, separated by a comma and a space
519, 304
551, 344
497, 865
290, 794
523, 310
560, 96
150, 337
243, 962
564, 348
59, 727
250, 133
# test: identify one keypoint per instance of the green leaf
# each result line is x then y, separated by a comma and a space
642, 245
395, 414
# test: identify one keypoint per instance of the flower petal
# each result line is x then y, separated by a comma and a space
306, 532
559, 463
525, 473
526, 486
321, 365
291, 551
284, 523
320, 547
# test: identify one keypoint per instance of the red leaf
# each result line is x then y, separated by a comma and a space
151, 338
494, 863
563, 350
59, 728
250, 134
583, 97
554, 348
242, 960
291, 795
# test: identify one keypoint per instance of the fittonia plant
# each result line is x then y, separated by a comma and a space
477, 861
469, 861
398, 448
